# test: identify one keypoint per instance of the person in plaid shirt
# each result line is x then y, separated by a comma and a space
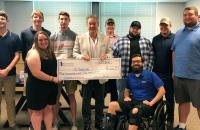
127, 46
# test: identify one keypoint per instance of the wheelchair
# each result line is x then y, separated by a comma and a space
157, 121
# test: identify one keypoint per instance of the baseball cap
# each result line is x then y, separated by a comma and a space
165, 20
135, 24
110, 20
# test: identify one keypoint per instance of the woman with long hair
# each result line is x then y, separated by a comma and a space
42, 81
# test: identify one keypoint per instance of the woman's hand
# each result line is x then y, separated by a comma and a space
55, 80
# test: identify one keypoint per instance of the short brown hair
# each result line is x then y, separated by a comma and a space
138, 55
63, 13
3, 14
38, 13
192, 8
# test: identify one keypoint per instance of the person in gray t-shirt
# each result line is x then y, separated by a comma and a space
62, 44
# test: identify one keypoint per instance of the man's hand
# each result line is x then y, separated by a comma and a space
148, 103
3, 73
127, 99
103, 56
86, 57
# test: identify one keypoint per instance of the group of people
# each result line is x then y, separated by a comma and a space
173, 58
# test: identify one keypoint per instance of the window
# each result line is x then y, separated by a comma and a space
78, 12
125, 13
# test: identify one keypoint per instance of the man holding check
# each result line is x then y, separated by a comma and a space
92, 44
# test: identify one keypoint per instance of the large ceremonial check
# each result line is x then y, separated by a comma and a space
76, 69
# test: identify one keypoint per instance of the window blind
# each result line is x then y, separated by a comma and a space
125, 13
78, 12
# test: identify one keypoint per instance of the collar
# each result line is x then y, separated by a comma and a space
65, 31
113, 36
4, 34
168, 37
88, 35
141, 75
32, 30
138, 37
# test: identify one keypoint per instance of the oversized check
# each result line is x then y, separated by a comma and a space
76, 69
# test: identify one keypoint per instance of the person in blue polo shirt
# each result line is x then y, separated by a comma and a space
10, 45
186, 47
146, 90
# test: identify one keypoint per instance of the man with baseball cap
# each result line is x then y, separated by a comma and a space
110, 86
163, 64
126, 47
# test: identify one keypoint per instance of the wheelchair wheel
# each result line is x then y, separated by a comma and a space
122, 123
160, 122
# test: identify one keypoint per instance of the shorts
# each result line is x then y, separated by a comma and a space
187, 90
70, 86
144, 110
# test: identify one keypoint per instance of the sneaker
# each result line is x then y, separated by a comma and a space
74, 127
56, 126
177, 128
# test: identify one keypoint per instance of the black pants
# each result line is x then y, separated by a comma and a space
169, 95
111, 87
92, 89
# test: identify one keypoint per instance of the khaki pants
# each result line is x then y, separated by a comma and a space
8, 84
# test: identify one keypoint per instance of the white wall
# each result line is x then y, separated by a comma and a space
2, 5
172, 10
19, 15
195, 3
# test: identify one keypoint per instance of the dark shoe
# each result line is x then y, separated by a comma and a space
177, 128
110, 122
99, 126
87, 127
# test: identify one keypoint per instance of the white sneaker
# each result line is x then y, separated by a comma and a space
74, 127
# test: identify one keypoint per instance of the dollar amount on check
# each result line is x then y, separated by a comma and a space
76, 69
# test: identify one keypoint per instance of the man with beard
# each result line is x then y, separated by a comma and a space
92, 44
186, 47
146, 90
126, 47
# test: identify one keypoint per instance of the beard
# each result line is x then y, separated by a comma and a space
191, 24
134, 35
137, 70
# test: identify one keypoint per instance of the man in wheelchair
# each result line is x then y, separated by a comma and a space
144, 90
